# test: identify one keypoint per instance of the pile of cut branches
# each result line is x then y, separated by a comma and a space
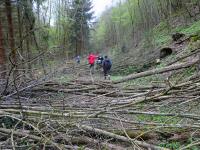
95, 114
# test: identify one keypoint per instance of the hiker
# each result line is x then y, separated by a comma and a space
99, 62
91, 60
78, 59
107, 64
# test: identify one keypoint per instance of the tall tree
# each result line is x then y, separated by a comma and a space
81, 15
11, 29
2, 54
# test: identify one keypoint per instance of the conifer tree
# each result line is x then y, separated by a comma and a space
81, 15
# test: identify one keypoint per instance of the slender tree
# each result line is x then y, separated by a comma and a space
2, 55
11, 29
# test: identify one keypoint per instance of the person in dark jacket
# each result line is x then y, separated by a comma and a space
78, 59
107, 64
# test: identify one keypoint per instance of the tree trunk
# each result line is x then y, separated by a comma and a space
11, 30
2, 55
156, 71
20, 29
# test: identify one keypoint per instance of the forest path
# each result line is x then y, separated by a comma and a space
73, 85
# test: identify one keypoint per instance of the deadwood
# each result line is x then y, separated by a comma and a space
156, 71
122, 138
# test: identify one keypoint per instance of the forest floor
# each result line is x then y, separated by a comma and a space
77, 110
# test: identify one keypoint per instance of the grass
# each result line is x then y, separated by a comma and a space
193, 29
128, 70
63, 78
161, 32
133, 69
173, 145
141, 81
146, 80
158, 119
114, 78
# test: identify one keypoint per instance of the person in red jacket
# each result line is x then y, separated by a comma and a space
91, 60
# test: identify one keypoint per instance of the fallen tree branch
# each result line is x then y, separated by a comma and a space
183, 57
122, 138
156, 71
190, 116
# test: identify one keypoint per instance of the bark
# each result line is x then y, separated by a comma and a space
20, 29
2, 55
11, 30
29, 65
156, 71
86, 140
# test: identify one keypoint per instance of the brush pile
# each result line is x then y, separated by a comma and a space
89, 113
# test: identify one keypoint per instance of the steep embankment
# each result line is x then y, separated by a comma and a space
168, 42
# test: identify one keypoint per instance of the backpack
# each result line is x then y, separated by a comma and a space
107, 64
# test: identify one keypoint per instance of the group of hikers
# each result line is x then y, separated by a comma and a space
100, 62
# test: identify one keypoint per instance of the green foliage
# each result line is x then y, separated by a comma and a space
195, 38
176, 145
80, 15
161, 34
52, 37
148, 22
7, 122
171, 145
192, 29
134, 19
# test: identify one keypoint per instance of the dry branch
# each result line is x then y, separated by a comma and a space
122, 138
